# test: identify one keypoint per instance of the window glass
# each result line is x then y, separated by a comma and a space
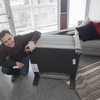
44, 1
35, 2
36, 16
1, 3
63, 6
54, 0
45, 17
63, 21
4, 26
3, 17
21, 15
18, 2
22, 20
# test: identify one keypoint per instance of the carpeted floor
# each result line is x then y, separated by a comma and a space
88, 82
48, 89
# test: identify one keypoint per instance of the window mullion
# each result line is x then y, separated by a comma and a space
10, 18
87, 8
32, 15
58, 14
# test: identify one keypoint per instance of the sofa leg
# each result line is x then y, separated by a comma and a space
36, 78
72, 84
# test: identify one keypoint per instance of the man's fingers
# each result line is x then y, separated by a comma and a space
26, 46
20, 65
30, 45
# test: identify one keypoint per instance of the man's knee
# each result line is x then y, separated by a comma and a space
24, 73
6, 71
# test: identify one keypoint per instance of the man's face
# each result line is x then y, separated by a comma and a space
8, 40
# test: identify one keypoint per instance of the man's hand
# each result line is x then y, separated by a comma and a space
30, 45
19, 64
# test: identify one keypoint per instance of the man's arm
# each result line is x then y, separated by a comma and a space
35, 36
31, 43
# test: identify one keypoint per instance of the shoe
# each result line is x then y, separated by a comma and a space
14, 78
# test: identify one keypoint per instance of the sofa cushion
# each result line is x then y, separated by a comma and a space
88, 32
86, 21
97, 26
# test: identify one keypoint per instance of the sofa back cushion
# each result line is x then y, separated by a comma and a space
88, 32
97, 26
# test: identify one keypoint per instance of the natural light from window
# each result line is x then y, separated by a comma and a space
38, 15
41, 15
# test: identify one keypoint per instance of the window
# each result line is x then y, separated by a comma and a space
22, 20
44, 1
3, 17
38, 15
19, 3
42, 15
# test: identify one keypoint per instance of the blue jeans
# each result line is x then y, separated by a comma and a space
16, 71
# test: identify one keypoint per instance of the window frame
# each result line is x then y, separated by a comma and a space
30, 6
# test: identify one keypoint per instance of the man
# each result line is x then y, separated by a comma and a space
12, 52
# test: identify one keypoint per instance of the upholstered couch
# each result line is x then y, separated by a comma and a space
90, 47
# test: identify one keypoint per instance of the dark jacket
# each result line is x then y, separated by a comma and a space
18, 51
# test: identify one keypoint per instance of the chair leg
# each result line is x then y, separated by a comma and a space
36, 78
72, 84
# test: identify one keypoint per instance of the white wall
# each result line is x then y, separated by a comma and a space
94, 10
76, 11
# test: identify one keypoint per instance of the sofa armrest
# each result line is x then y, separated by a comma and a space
78, 48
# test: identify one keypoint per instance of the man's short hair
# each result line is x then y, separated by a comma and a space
3, 33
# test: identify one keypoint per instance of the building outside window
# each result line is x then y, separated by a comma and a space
41, 15
35, 15
3, 17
